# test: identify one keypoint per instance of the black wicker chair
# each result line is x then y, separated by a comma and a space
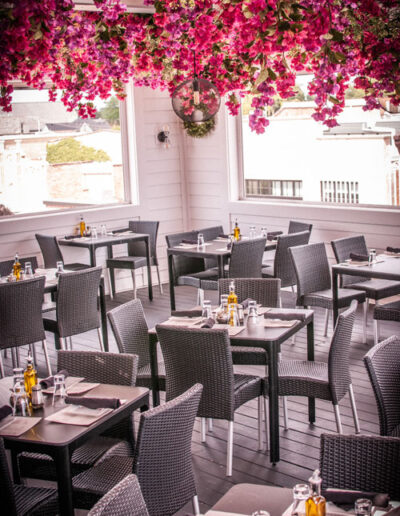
383, 366
21, 320
296, 227
52, 254
282, 265
18, 500
387, 312
203, 356
129, 326
98, 367
7, 265
366, 463
162, 460
136, 258
211, 233
267, 293
327, 381
124, 499
77, 308
313, 277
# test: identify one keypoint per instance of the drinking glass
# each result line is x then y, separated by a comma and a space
60, 267
264, 232
200, 240
103, 228
28, 270
59, 388
252, 232
206, 310
301, 493
362, 507
372, 256
252, 306
93, 232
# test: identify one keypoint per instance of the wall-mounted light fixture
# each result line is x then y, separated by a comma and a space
163, 137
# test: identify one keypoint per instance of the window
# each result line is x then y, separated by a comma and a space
51, 159
355, 163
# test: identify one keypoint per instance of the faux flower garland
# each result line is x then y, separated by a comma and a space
242, 46
199, 130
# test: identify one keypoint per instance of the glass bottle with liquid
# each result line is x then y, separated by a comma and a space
17, 267
30, 377
236, 231
232, 298
316, 503
82, 227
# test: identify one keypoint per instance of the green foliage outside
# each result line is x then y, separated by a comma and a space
70, 151
110, 112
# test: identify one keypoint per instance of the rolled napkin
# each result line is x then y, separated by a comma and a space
5, 411
187, 241
393, 249
359, 257
48, 382
186, 313
222, 235
246, 302
285, 316
93, 403
71, 237
271, 235
209, 323
348, 497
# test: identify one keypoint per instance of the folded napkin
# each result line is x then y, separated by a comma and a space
348, 497
5, 411
245, 303
186, 313
48, 382
359, 257
187, 241
271, 235
229, 245
223, 236
71, 237
93, 403
209, 323
285, 316
393, 249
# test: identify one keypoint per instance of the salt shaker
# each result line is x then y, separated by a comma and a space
37, 396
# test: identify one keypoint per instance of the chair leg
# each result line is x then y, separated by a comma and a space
338, 420
112, 280
266, 422
200, 296
32, 351
1, 366
111, 290
46, 357
365, 314
63, 344
134, 283
326, 322
100, 339
196, 507
203, 430
210, 424
354, 409
14, 358
70, 343
229, 450
159, 280
285, 413
376, 332
366, 307
260, 417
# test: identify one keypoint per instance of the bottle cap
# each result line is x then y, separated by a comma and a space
315, 478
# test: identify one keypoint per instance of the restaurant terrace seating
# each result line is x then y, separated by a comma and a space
52, 254
295, 226
7, 265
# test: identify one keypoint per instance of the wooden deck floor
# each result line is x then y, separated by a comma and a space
299, 444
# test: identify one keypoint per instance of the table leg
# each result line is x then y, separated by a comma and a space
335, 296
154, 369
150, 285
220, 266
310, 356
103, 312
62, 459
92, 253
15, 467
171, 281
273, 402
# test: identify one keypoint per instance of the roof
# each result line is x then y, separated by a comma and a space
78, 125
359, 128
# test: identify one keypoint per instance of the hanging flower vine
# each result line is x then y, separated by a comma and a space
242, 46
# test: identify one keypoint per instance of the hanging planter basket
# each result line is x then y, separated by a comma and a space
200, 130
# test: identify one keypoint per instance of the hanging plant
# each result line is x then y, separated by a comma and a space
199, 129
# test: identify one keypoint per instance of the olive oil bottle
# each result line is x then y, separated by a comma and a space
236, 231
30, 377
316, 503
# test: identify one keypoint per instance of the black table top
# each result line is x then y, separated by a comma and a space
387, 267
211, 249
114, 239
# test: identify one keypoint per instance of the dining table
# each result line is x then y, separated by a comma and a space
268, 338
59, 440
123, 236
217, 249
386, 266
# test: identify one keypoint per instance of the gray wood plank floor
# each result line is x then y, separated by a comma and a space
299, 444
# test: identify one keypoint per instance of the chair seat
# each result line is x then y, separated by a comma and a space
242, 355
246, 388
395, 432
76, 266
41, 466
388, 312
377, 288
199, 279
268, 271
34, 501
324, 299
50, 321
143, 378
128, 262
304, 378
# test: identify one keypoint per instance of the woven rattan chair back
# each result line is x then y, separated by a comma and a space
130, 330
297, 227
383, 366
163, 459
246, 258
21, 312
77, 310
97, 366
312, 269
149, 227
125, 498
263, 290
50, 250
339, 354
361, 463
283, 265
199, 356
7, 265
184, 265
342, 249
7, 497
211, 233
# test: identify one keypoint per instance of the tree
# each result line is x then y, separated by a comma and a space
70, 151
110, 111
